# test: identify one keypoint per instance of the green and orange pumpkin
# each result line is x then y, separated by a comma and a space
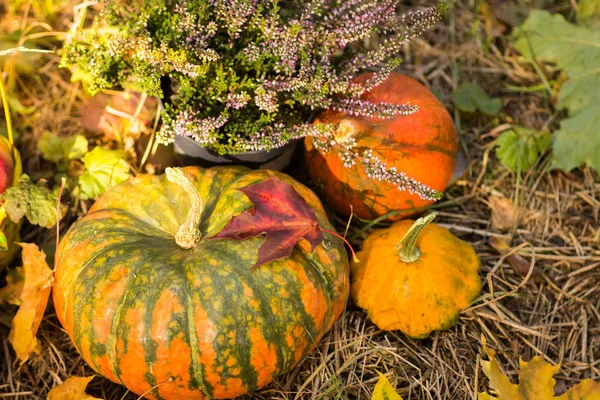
197, 323
423, 145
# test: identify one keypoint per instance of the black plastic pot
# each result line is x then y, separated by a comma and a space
191, 153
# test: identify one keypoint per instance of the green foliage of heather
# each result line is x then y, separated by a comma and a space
239, 75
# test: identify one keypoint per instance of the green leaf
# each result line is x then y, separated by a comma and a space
578, 140
51, 147
18, 107
79, 75
588, 13
384, 390
75, 147
34, 201
520, 147
58, 149
576, 50
103, 169
470, 97
3, 242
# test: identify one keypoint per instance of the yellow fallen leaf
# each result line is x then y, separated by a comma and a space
584, 390
34, 298
72, 389
384, 390
536, 381
11, 293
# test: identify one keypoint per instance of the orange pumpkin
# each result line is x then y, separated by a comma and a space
423, 145
415, 277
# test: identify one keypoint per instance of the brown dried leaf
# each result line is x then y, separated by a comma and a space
34, 298
114, 115
91, 112
72, 389
503, 213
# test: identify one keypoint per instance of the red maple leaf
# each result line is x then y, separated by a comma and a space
280, 213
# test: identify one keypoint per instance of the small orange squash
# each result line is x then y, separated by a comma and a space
415, 277
423, 145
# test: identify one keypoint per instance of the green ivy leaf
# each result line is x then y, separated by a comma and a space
578, 140
520, 147
384, 390
576, 50
470, 97
103, 169
34, 201
58, 149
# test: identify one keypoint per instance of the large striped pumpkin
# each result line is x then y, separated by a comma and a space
184, 324
423, 145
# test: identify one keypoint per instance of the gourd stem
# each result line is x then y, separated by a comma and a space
407, 247
188, 233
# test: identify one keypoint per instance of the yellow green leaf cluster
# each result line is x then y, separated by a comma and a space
31, 200
62, 149
536, 381
103, 169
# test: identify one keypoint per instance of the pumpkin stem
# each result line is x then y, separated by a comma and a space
407, 247
188, 233
345, 130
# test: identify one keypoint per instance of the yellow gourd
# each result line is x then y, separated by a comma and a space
415, 277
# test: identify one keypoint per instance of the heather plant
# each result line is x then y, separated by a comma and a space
244, 75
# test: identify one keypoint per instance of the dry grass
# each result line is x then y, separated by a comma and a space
555, 315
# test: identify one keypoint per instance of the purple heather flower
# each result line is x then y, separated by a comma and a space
233, 13
252, 52
237, 100
195, 40
278, 135
354, 20
415, 24
373, 110
382, 74
266, 100
187, 123
377, 169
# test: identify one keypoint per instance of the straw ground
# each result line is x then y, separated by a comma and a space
546, 304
